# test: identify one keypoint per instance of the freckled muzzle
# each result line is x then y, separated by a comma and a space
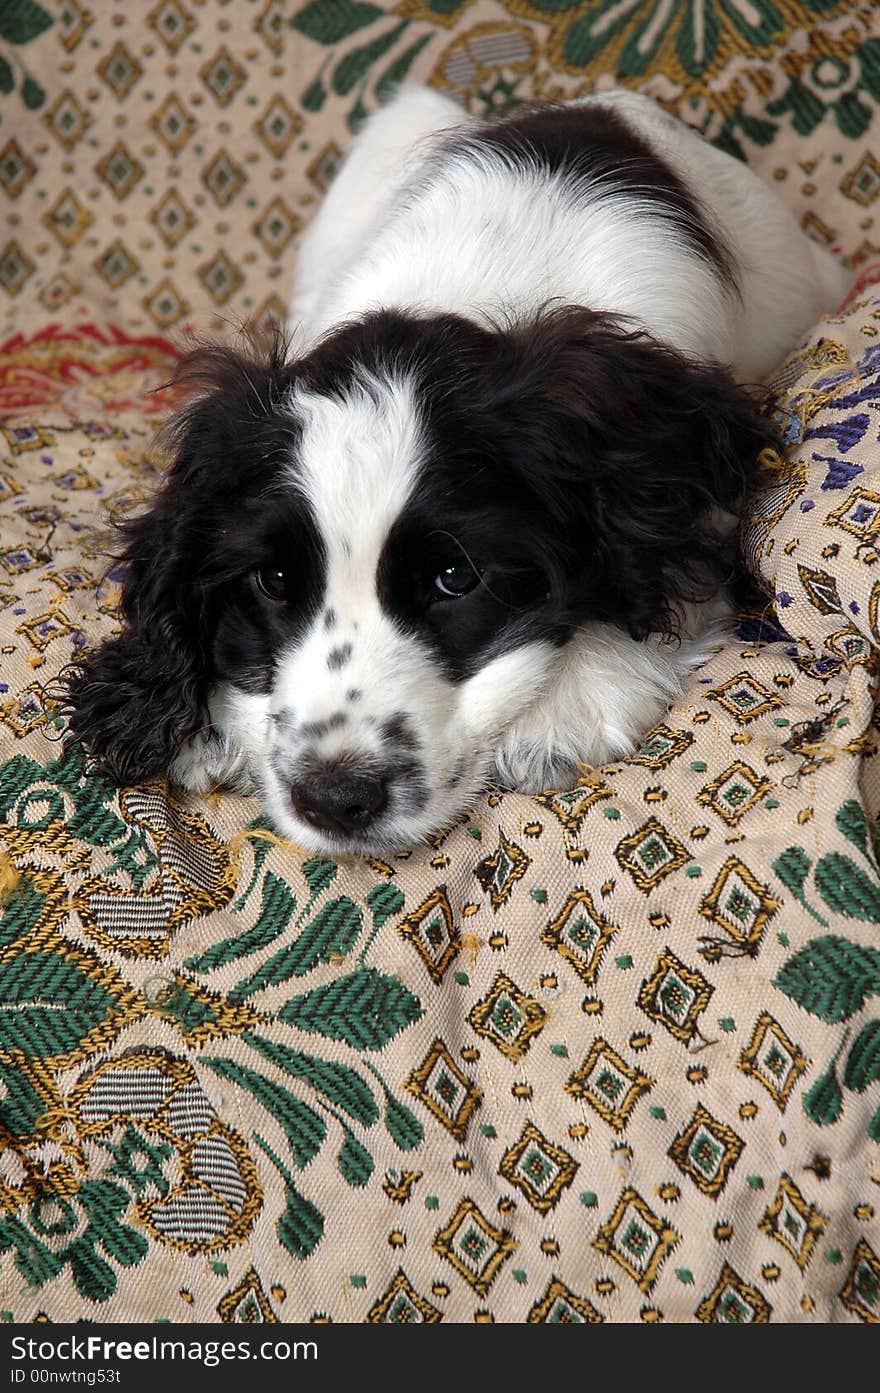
349, 791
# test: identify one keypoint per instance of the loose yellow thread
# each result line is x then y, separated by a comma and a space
773, 463
10, 877
259, 834
590, 775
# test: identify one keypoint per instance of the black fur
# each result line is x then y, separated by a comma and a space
581, 467
577, 465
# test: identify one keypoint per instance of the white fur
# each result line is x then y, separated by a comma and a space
502, 242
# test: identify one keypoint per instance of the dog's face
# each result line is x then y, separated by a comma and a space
373, 554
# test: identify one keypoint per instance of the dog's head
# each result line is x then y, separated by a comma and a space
376, 550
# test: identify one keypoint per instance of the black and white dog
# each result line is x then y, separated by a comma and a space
477, 528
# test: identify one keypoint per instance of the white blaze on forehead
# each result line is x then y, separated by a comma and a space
358, 460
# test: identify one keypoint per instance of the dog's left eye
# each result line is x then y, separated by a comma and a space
454, 581
272, 583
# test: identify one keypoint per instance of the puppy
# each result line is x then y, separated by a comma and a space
477, 529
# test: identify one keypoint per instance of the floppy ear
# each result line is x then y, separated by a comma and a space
649, 454
136, 698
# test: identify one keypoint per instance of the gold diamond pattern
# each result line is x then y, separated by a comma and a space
662, 746
120, 170
165, 306
172, 22
431, 931
247, 1303
116, 265
675, 996
541, 1170
223, 76
73, 21
445, 1090
9, 489
324, 167
278, 126
580, 934
270, 315
25, 712
16, 560
401, 1304
560, 1306
67, 219
508, 1017
67, 119
739, 905
16, 268
610, 1085
863, 183
499, 873
637, 1239
572, 805
223, 178
172, 124
734, 792
58, 290
733, 1302
271, 24
220, 277
120, 70
707, 1151
276, 227
43, 629
474, 1246
172, 218
16, 169
745, 698
20, 439
861, 1290
858, 514
793, 1222
773, 1060
650, 854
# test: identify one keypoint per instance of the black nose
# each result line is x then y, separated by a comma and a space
339, 802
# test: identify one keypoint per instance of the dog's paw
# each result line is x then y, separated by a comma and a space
209, 759
528, 767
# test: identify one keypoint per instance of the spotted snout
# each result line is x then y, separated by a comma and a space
342, 775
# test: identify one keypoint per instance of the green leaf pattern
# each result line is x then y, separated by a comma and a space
21, 21
60, 1005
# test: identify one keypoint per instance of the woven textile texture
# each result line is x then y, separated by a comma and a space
608, 1054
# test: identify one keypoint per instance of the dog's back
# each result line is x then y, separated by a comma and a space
607, 202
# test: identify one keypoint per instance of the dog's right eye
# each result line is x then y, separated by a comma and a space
272, 584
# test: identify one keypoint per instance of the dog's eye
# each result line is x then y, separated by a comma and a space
272, 583
455, 581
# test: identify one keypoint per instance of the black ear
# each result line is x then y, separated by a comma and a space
647, 453
136, 698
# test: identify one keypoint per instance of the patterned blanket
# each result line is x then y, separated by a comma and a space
607, 1054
